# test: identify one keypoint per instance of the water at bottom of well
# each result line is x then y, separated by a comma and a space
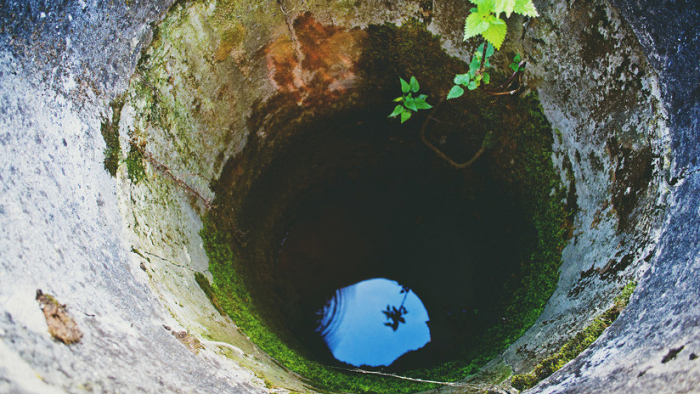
373, 323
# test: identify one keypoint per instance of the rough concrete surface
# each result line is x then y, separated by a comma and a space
653, 346
612, 149
60, 226
65, 224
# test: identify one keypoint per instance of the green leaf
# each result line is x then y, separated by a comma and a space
516, 63
414, 85
489, 50
496, 33
475, 24
472, 85
398, 99
455, 92
506, 6
461, 79
422, 97
410, 103
397, 111
487, 78
485, 5
406, 115
405, 87
421, 104
475, 63
525, 7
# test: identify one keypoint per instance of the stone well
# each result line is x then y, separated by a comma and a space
127, 125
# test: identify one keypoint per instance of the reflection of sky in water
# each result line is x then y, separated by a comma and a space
355, 331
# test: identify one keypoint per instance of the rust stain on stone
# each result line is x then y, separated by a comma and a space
327, 68
61, 324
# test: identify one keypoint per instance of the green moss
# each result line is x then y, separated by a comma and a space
576, 345
203, 283
134, 164
521, 160
110, 134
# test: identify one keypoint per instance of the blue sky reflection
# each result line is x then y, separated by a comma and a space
353, 323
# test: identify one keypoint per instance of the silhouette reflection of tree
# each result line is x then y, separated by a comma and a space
394, 314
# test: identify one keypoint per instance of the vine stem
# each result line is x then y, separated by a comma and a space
500, 90
292, 32
165, 170
437, 150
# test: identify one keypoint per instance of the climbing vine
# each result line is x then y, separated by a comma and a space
485, 20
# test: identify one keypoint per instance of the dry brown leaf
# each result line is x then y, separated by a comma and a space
61, 325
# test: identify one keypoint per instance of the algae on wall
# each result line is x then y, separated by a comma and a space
576, 345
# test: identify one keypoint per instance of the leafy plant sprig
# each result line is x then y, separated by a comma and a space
485, 19
517, 64
407, 102
476, 74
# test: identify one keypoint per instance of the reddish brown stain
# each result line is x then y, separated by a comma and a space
326, 69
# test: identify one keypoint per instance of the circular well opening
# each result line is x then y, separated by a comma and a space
349, 196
